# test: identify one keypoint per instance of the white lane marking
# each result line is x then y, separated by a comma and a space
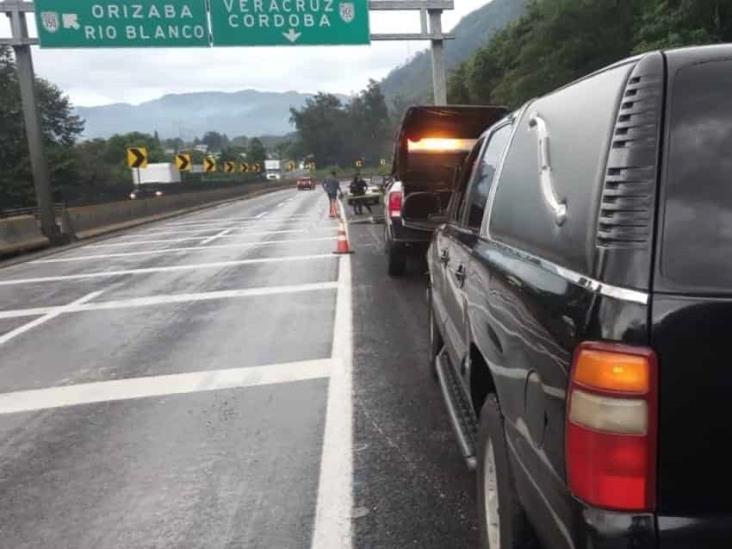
50, 315
332, 527
264, 224
146, 270
187, 238
217, 235
167, 299
162, 385
184, 249
229, 220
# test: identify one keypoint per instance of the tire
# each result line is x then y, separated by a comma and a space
511, 530
396, 258
436, 342
397, 261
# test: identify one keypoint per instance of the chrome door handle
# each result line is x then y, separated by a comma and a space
460, 275
558, 207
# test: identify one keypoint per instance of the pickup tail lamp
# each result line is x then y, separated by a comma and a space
440, 144
611, 426
395, 203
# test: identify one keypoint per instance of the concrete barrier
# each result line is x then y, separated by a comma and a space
88, 221
20, 234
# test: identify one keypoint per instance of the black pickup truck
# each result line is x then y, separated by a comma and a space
581, 310
431, 144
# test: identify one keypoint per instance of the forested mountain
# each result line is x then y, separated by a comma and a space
246, 112
413, 82
557, 41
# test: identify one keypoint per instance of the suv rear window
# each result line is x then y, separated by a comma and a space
696, 254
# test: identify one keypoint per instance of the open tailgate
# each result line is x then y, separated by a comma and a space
433, 140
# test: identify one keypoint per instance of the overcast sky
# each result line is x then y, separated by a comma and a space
98, 77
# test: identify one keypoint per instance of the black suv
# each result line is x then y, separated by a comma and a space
581, 306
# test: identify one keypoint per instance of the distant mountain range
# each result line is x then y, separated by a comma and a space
412, 83
247, 112
252, 112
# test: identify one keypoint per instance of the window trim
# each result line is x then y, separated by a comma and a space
453, 219
513, 118
489, 134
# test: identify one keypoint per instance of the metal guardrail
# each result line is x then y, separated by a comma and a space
32, 210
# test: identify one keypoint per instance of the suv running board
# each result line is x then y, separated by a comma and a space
459, 408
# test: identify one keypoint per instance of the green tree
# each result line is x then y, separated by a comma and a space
215, 141
457, 89
369, 125
675, 23
60, 129
175, 143
256, 151
322, 125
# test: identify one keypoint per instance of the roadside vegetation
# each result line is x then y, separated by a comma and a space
557, 41
331, 132
92, 171
554, 42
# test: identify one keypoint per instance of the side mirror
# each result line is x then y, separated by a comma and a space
422, 210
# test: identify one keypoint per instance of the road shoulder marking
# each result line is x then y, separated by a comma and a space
255, 244
332, 528
49, 315
148, 270
147, 301
217, 235
162, 385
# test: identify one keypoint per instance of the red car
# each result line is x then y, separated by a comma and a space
305, 183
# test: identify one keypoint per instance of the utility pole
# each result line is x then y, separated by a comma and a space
428, 9
21, 43
439, 80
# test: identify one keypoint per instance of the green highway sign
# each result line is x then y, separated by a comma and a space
289, 22
121, 23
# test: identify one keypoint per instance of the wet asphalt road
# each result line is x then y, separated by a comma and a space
221, 379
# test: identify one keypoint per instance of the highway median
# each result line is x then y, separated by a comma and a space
22, 234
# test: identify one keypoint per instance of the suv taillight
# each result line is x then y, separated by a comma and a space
395, 204
611, 426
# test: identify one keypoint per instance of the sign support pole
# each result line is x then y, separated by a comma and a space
26, 80
428, 10
439, 84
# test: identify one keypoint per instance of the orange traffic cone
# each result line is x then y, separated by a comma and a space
342, 246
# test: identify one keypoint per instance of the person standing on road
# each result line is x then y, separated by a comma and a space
357, 189
332, 188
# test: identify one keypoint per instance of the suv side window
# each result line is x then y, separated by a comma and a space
483, 175
571, 132
466, 171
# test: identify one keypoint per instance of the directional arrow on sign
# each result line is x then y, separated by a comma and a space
70, 21
137, 157
183, 162
291, 35
244, 167
209, 164
228, 167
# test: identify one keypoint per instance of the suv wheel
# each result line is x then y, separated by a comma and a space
397, 261
503, 523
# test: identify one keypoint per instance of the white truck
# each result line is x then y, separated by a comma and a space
160, 173
273, 169
147, 181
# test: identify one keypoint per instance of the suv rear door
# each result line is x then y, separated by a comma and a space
460, 234
692, 299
